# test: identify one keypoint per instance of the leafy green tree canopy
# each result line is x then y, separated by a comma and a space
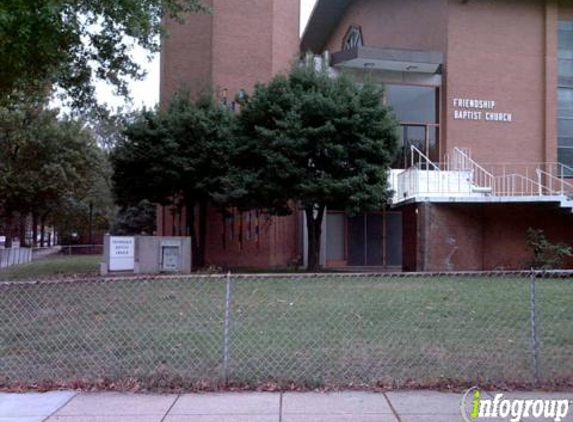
546, 255
312, 140
68, 43
135, 220
178, 157
89, 209
46, 163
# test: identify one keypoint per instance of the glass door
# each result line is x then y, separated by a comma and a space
375, 240
416, 108
421, 136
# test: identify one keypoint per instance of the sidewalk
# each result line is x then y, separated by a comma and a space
69, 406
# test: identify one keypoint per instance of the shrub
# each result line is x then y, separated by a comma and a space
546, 255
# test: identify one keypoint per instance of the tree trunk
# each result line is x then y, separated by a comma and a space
42, 230
314, 228
203, 209
190, 210
91, 222
173, 222
9, 231
34, 229
22, 230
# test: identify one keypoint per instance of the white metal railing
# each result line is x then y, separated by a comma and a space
517, 185
481, 179
424, 177
460, 175
407, 184
554, 185
558, 170
420, 160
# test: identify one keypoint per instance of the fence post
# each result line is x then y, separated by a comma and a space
533, 317
227, 327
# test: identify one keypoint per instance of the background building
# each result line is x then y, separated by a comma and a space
483, 91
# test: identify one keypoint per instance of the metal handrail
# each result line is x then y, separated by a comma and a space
407, 183
517, 185
423, 156
562, 167
551, 177
480, 177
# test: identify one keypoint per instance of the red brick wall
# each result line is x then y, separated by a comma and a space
489, 237
233, 48
497, 51
286, 39
411, 24
242, 44
506, 232
236, 250
286, 241
186, 55
171, 221
454, 238
276, 244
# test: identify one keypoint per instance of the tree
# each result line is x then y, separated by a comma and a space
311, 140
45, 162
90, 208
178, 157
67, 43
546, 255
135, 220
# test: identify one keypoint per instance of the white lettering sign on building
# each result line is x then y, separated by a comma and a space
480, 110
121, 253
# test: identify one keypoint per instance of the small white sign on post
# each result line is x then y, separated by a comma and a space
121, 253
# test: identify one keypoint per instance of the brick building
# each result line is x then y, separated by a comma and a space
484, 93
239, 44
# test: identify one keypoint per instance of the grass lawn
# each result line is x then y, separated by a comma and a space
317, 331
53, 267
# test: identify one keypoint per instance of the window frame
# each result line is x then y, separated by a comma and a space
564, 82
402, 161
352, 30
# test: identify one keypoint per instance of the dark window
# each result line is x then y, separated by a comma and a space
413, 104
416, 108
565, 43
393, 239
565, 100
565, 69
565, 94
353, 38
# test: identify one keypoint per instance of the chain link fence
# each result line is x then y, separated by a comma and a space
328, 330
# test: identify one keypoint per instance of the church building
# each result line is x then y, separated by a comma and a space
483, 91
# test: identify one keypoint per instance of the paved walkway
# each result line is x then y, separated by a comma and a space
69, 406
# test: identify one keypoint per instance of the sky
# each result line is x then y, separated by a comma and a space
146, 92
